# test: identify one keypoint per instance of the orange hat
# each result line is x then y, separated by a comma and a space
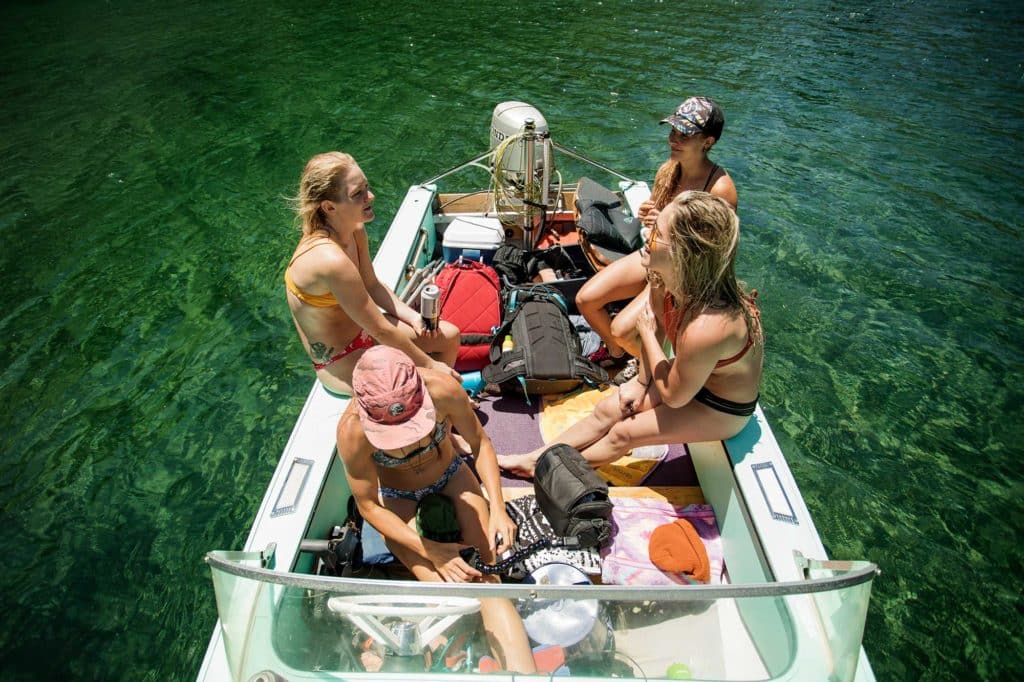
676, 548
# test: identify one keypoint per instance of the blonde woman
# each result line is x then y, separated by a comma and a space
710, 388
696, 126
339, 306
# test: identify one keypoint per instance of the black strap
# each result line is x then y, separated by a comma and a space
590, 372
508, 365
714, 169
475, 339
471, 555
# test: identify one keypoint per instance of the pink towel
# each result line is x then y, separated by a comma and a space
626, 561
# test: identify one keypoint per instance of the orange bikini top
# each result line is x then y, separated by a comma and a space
673, 316
316, 300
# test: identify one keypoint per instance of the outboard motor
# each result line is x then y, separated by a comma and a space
523, 166
509, 119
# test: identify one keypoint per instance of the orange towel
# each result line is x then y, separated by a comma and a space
676, 548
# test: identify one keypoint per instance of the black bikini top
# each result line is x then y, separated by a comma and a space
388, 462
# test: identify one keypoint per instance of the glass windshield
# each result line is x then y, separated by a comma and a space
299, 627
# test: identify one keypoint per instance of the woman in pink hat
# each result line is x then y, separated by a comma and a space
395, 439
338, 305
696, 126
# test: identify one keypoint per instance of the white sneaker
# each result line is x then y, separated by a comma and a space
631, 369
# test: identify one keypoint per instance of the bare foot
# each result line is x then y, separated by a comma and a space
520, 465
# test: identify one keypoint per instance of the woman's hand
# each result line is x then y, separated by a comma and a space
439, 366
648, 214
631, 395
646, 322
446, 560
421, 330
501, 524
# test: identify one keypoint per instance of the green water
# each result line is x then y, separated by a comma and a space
150, 375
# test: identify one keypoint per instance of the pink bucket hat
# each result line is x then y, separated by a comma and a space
395, 408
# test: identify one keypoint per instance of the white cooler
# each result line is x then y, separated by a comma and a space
473, 238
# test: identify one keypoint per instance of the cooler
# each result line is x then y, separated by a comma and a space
473, 238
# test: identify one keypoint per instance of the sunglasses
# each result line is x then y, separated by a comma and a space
676, 136
650, 237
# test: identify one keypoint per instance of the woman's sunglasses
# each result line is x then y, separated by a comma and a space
650, 238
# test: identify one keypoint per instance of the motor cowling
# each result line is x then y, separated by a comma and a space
509, 119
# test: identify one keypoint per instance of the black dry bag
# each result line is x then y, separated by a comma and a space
572, 496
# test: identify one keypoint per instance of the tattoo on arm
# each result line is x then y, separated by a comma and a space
320, 351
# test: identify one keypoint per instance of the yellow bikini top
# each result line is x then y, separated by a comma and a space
316, 300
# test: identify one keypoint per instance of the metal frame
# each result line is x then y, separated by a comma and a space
682, 593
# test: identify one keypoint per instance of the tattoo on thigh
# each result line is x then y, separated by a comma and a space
320, 351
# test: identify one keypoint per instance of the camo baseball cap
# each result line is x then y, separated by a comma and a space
698, 115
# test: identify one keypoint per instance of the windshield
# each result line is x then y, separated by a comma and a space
307, 627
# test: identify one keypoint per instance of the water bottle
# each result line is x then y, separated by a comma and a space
429, 306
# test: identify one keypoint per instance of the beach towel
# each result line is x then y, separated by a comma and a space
626, 559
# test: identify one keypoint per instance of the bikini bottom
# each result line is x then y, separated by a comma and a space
418, 494
362, 340
708, 398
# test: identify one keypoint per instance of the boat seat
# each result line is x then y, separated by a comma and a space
606, 232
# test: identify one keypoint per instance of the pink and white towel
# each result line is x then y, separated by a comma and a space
626, 560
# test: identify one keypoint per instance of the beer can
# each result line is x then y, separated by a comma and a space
430, 306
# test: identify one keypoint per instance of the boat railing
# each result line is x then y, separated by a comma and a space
298, 625
476, 162
256, 566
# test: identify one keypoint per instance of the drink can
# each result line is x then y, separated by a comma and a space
430, 306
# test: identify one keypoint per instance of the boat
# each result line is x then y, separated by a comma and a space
780, 609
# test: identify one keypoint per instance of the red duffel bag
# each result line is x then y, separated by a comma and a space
471, 300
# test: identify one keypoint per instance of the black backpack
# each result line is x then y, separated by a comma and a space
546, 356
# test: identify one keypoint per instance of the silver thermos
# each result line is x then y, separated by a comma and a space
430, 306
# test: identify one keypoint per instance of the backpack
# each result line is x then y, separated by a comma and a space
572, 496
516, 266
512, 264
546, 356
471, 301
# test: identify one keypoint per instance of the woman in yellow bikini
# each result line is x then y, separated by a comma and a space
339, 306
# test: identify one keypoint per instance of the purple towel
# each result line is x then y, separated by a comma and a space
513, 426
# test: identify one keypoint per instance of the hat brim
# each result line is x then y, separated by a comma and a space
682, 125
404, 433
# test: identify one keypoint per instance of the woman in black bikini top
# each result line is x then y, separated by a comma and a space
709, 390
